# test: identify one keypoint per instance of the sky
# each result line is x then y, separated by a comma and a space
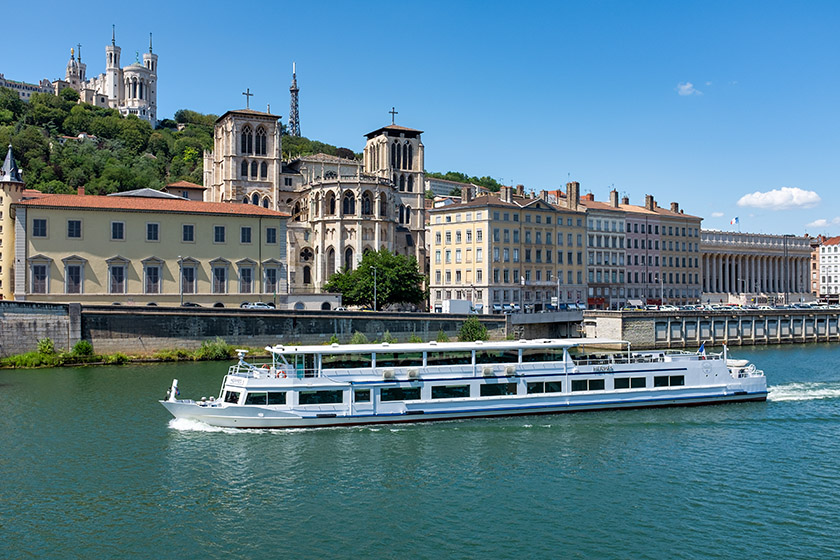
729, 108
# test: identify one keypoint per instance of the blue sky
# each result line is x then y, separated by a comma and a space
729, 108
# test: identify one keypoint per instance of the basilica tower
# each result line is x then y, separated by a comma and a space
11, 191
113, 74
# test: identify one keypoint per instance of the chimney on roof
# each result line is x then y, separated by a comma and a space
650, 204
625, 200
544, 195
614, 198
506, 194
466, 194
675, 207
573, 195
589, 197
520, 190
80, 191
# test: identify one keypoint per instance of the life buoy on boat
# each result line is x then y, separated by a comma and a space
281, 373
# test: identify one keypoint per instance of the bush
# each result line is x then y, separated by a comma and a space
441, 336
389, 338
214, 350
116, 359
28, 360
472, 330
333, 340
414, 338
176, 355
46, 347
83, 348
359, 338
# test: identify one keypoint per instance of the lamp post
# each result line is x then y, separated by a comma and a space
181, 279
374, 287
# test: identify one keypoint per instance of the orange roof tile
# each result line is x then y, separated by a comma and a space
185, 185
139, 204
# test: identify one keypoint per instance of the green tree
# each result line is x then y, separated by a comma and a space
398, 280
472, 330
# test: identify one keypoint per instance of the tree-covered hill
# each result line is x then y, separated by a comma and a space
459, 177
117, 153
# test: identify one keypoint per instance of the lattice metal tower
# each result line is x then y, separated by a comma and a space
294, 117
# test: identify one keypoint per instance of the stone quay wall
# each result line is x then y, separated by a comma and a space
22, 325
690, 329
146, 330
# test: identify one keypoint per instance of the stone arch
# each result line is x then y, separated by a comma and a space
326, 306
299, 306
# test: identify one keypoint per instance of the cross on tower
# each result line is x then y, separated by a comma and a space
247, 93
393, 112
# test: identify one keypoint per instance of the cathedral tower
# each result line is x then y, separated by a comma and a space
113, 74
150, 61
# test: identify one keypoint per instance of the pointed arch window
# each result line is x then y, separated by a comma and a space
297, 211
245, 200
266, 203
330, 262
255, 199
383, 208
254, 169
307, 275
394, 155
263, 170
247, 141
348, 258
402, 183
367, 204
399, 156
331, 204
410, 187
261, 142
402, 214
410, 157
243, 168
348, 207
405, 156
407, 215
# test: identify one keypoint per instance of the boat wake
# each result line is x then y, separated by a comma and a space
803, 391
187, 425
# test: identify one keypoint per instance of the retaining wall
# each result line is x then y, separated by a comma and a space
22, 325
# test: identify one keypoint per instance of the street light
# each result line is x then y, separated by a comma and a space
374, 287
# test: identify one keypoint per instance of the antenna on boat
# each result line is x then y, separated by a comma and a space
241, 355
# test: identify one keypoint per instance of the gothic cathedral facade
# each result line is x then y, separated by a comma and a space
340, 208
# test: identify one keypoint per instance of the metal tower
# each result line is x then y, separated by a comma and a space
294, 117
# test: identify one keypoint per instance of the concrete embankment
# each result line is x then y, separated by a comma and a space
687, 329
144, 330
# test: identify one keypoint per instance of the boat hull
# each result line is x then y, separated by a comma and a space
250, 417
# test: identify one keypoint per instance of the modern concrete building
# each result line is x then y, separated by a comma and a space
755, 268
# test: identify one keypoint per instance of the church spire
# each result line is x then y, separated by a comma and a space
150, 43
9, 173
294, 116
113, 35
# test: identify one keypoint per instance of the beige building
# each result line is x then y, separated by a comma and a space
506, 252
340, 208
138, 248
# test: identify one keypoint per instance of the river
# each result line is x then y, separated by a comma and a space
91, 466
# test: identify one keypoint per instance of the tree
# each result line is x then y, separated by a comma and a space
398, 280
472, 330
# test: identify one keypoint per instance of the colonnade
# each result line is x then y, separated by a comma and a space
733, 273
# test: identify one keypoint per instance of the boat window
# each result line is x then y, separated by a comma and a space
542, 355
399, 394
553, 387
496, 356
232, 397
638, 382
677, 380
450, 391
668, 380
660, 381
399, 359
320, 397
622, 382
345, 361
277, 397
256, 398
361, 395
463, 357
536, 387
303, 364
587, 385
497, 389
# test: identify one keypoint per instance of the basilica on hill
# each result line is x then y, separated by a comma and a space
339, 208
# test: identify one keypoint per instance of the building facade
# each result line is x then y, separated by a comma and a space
828, 262
755, 268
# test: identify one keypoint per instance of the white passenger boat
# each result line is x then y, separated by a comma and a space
309, 386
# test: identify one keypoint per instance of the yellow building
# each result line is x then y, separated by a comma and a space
143, 248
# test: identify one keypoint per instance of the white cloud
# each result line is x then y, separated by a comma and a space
717, 214
687, 88
823, 223
708, 83
784, 198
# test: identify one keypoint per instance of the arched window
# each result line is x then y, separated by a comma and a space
141, 90
402, 214
330, 262
255, 199
410, 187
399, 156
307, 275
261, 144
367, 204
405, 156
245, 200
243, 169
266, 202
383, 212
407, 217
402, 183
247, 141
254, 169
263, 170
348, 205
393, 155
331, 204
325, 306
296, 212
348, 258
410, 157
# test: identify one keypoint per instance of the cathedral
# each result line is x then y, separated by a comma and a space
339, 208
132, 89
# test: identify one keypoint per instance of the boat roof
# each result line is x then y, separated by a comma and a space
442, 346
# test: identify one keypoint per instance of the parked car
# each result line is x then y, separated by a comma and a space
260, 305
189, 304
340, 308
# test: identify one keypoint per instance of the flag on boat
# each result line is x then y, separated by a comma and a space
734, 221
702, 349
